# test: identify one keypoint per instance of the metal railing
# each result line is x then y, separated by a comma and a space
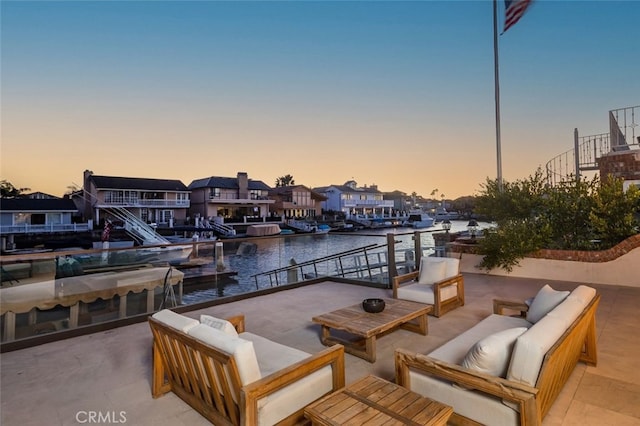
372, 263
588, 149
26, 228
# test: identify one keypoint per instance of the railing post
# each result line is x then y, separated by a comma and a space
392, 270
417, 246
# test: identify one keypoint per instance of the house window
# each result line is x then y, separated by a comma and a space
214, 193
54, 218
165, 216
144, 215
255, 194
21, 218
363, 197
38, 219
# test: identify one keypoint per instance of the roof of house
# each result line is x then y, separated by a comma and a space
278, 190
37, 204
226, 183
115, 182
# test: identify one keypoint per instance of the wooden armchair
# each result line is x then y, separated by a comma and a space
438, 282
213, 381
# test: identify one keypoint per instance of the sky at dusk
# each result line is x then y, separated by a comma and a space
398, 94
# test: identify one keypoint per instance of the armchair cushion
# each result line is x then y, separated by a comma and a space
423, 293
491, 354
241, 349
431, 270
273, 357
220, 324
175, 321
545, 300
452, 266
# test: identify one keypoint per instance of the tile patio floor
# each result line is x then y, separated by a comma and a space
110, 372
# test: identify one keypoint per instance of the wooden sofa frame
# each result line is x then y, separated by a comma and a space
440, 307
578, 343
194, 371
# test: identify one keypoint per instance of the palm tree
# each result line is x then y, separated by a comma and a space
285, 180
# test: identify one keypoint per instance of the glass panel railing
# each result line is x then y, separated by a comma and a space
61, 290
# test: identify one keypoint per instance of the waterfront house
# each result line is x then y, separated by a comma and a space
160, 201
236, 199
296, 201
353, 200
37, 215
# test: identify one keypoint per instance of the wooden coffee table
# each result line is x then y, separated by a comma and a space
375, 401
365, 327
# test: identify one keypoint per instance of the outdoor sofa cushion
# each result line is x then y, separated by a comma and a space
491, 354
220, 324
544, 301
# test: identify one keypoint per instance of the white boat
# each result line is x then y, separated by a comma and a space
441, 214
419, 219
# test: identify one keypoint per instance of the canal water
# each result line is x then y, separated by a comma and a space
262, 255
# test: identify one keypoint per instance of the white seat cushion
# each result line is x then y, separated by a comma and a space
423, 293
491, 354
274, 357
432, 269
482, 408
175, 321
220, 324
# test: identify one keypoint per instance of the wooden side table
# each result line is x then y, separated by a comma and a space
375, 401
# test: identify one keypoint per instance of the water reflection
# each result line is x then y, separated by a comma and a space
257, 256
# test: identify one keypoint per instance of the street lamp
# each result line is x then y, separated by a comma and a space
446, 225
472, 226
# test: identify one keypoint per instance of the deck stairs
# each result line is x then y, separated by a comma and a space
137, 228
587, 150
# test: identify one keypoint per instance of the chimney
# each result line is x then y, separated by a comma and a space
243, 186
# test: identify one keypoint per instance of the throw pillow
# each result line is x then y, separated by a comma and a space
546, 299
431, 271
492, 354
219, 324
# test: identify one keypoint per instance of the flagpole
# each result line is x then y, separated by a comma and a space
497, 92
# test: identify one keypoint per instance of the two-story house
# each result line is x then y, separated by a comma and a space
234, 200
353, 200
160, 201
296, 201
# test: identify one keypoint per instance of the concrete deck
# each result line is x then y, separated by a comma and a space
110, 372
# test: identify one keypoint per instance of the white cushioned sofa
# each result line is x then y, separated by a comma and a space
508, 370
233, 377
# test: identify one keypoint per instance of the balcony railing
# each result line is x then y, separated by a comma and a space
146, 203
46, 229
368, 203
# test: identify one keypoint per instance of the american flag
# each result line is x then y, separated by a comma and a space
514, 11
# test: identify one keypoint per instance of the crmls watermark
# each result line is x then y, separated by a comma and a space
101, 417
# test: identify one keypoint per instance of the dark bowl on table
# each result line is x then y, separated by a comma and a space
373, 306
